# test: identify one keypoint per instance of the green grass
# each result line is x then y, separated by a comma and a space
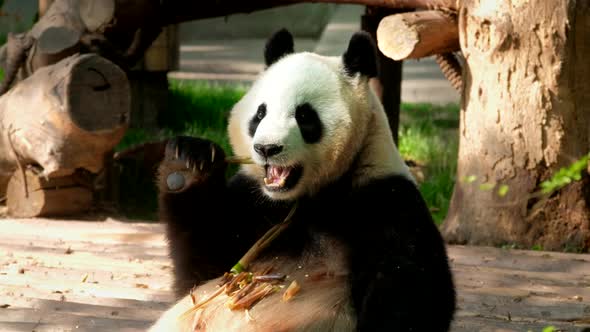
194, 108
428, 134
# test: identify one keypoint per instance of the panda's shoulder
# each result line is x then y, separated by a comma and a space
389, 185
392, 193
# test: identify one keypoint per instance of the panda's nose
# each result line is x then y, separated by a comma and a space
268, 150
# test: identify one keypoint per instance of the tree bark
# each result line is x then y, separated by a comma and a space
525, 113
418, 34
65, 116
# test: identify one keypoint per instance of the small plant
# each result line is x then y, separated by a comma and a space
566, 175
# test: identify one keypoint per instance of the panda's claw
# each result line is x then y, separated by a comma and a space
195, 158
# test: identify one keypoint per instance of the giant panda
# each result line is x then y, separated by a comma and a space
361, 242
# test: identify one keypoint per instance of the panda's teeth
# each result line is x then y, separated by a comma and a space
267, 181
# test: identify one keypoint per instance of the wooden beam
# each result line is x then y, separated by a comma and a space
43, 6
181, 11
65, 116
418, 34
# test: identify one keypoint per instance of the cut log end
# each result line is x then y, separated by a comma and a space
98, 94
395, 38
96, 13
417, 34
56, 39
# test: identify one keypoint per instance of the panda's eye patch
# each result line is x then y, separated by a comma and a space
261, 112
309, 123
255, 121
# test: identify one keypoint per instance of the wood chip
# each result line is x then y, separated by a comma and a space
291, 291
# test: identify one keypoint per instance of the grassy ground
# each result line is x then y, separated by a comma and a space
428, 134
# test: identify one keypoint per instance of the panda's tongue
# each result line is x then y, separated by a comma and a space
276, 176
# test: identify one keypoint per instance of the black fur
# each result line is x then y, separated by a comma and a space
278, 45
361, 56
309, 123
255, 121
399, 273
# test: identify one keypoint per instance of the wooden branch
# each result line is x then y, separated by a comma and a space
65, 116
417, 34
12, 56
59, 31
96, 13
43, 6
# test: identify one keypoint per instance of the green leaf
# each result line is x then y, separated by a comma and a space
503, 190
566, 175
549, 329
470, 179
487, 186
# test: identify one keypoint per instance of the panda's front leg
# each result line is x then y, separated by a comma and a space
192, 203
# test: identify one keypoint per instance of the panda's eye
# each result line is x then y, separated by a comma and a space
261, 112
305, 114
256, 119
309, 123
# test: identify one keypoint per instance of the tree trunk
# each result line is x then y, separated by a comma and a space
525, 113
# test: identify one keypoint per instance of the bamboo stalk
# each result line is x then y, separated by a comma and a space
239, 160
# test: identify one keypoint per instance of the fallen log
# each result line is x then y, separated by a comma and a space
64, 117
58, 32
39, 197
417, 34
56, 35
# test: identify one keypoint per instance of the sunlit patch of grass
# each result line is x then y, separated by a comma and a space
428, 136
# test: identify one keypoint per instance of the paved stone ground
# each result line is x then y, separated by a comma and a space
109, 275
240, 60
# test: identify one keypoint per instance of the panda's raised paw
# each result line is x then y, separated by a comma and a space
188, 161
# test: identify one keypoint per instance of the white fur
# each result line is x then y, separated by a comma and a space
352, 116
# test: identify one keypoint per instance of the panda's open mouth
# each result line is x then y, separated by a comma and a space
282, 178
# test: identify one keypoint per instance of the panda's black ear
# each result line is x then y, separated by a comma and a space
361, 55
277, 46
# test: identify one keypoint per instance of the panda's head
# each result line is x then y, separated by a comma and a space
306, 118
